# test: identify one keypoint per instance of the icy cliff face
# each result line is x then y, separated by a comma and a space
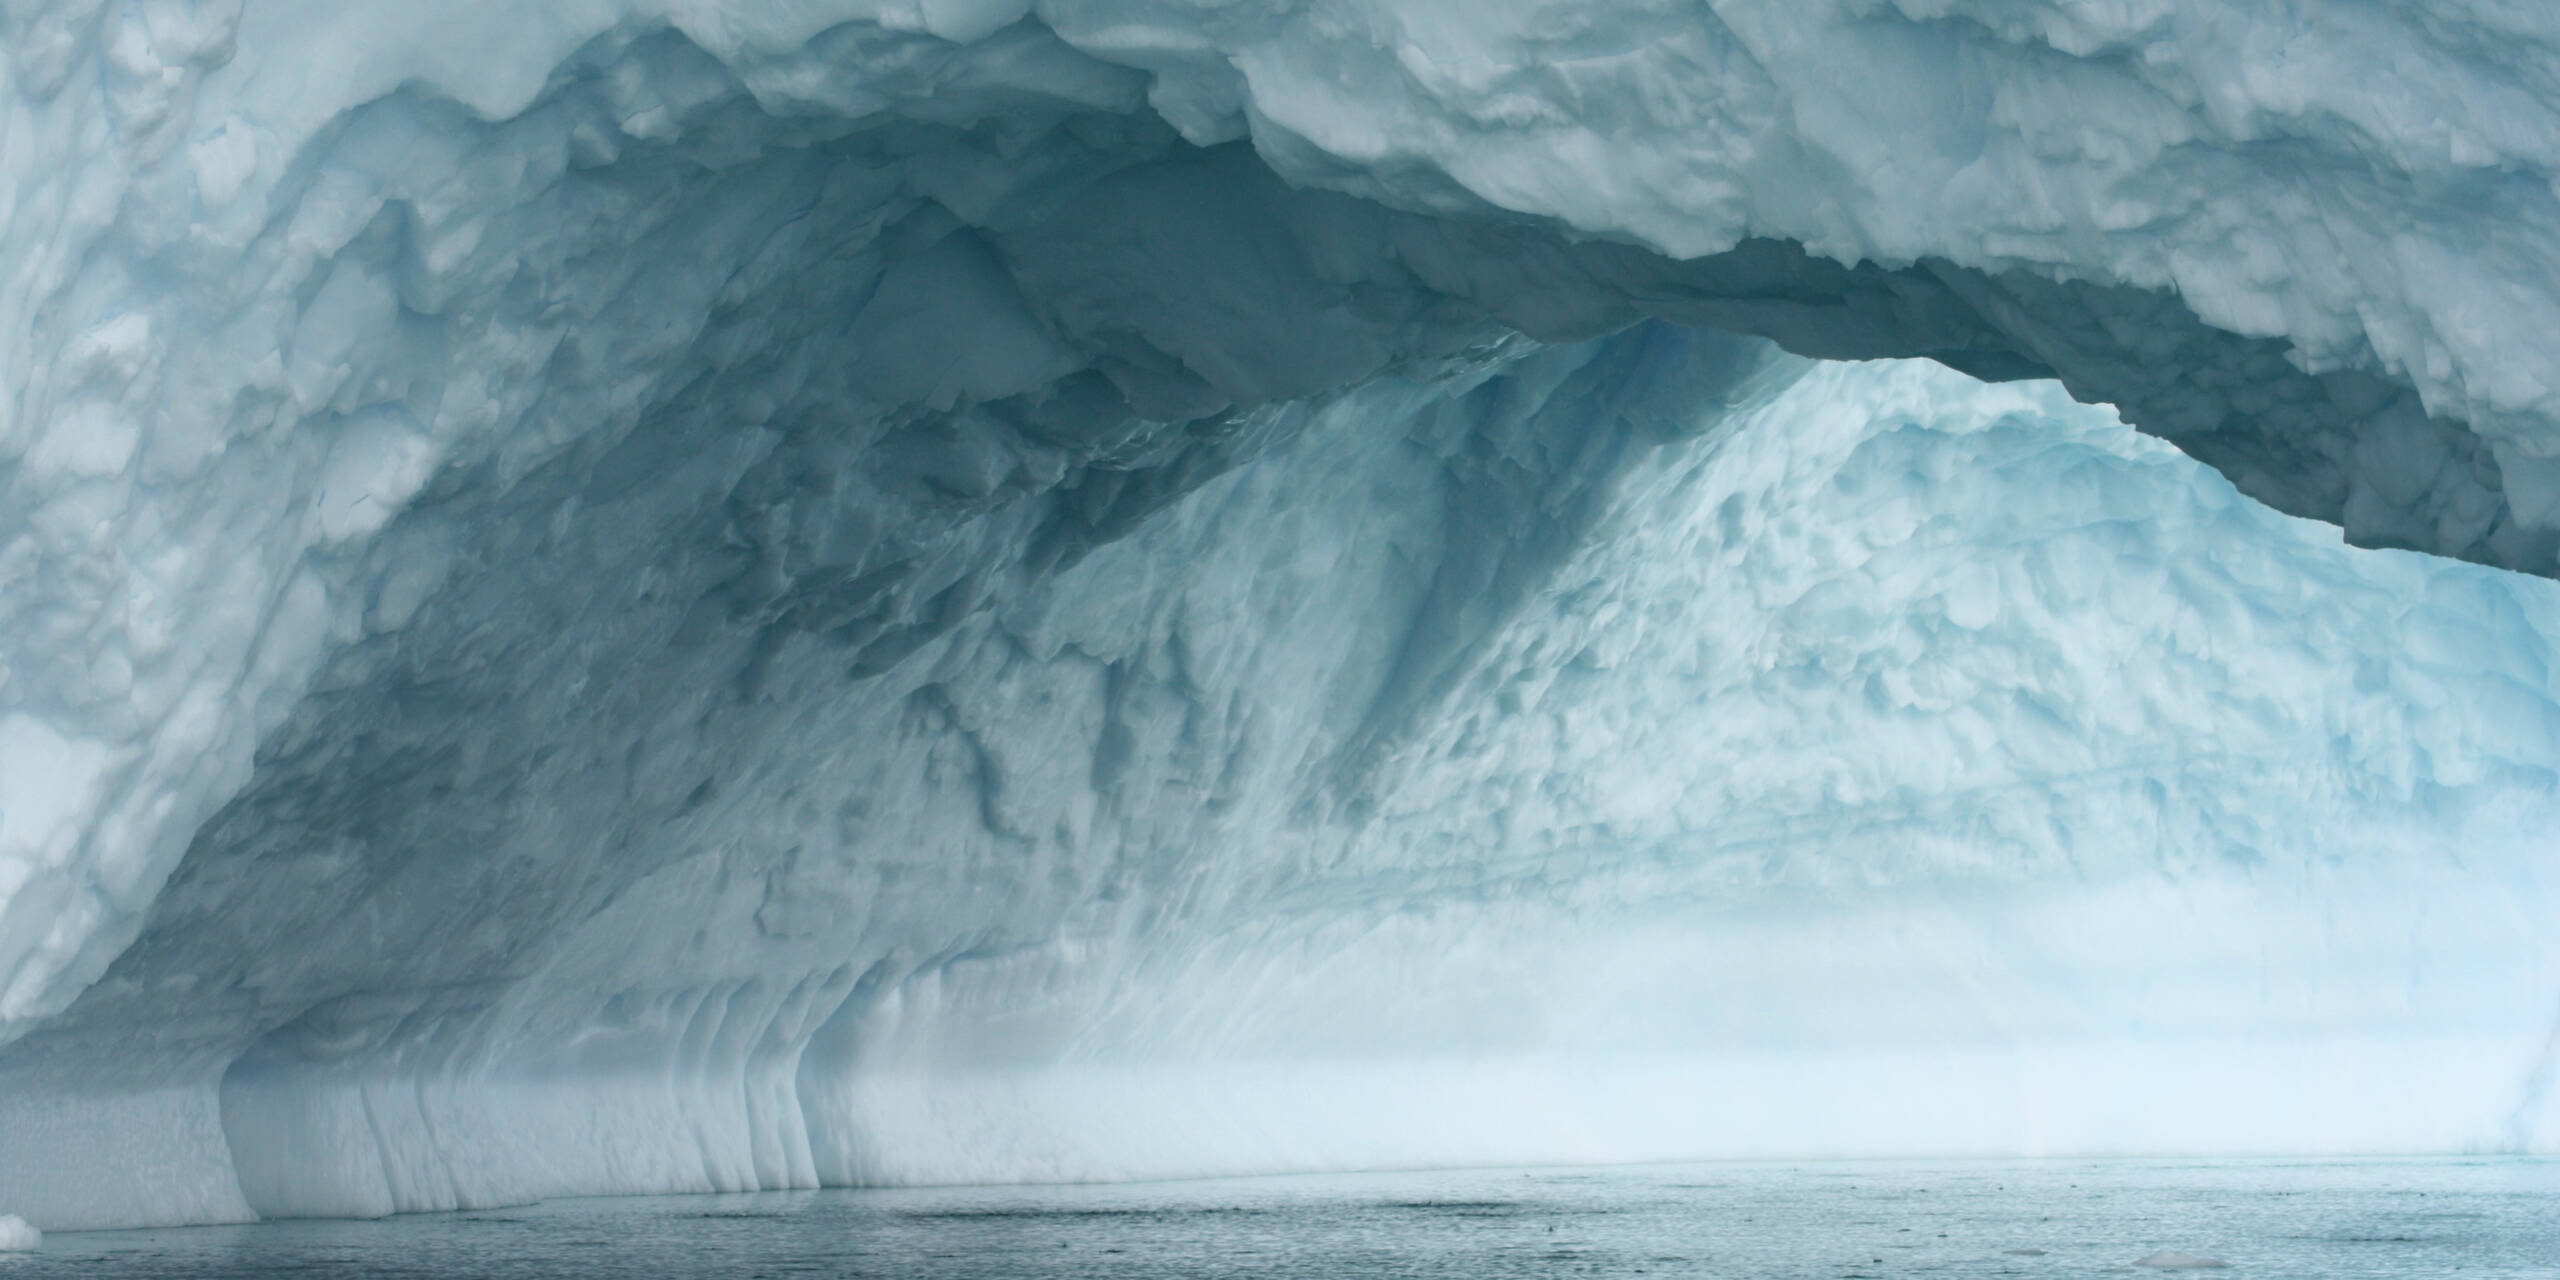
644, 596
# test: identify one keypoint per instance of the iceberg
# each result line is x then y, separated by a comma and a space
679, 596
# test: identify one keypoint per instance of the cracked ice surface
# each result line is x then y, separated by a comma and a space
582, 590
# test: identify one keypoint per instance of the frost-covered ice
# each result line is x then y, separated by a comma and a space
628, 595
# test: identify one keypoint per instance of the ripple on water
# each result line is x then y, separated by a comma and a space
2341, 1219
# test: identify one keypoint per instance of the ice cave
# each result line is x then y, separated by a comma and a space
641, 596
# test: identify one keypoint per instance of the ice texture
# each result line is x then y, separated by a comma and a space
620, 596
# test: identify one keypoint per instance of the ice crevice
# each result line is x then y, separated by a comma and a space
702, 596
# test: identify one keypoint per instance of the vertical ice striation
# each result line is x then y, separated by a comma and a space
652, 596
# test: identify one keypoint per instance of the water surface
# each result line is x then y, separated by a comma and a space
2399, 1218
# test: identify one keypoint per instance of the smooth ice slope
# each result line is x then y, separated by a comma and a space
538, 545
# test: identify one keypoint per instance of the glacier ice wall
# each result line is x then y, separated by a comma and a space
620, 597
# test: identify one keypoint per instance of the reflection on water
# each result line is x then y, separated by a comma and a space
2397, 1218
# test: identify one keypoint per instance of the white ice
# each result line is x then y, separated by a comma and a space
631, 595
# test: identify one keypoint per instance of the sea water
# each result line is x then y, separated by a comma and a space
2327, 1218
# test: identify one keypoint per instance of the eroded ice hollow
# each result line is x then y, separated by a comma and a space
645, 596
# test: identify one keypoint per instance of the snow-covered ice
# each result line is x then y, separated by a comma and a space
634, 595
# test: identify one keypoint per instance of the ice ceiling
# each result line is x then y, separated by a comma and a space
653, 596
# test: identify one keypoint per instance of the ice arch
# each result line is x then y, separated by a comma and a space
482, 488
